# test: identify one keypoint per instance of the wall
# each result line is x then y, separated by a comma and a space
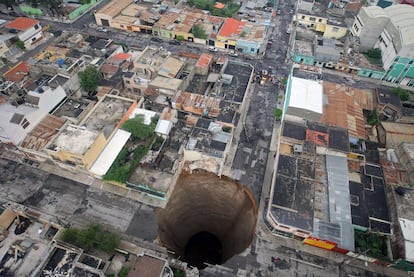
248, 47
80, 10
94, 150
335, 32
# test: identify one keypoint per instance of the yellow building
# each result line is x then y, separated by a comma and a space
229, 33
80, 145
329, 29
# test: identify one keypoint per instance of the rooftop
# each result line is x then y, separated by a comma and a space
171, 67
42, 134
345, 108
17, 73
113, 8
22, 23
306, 94
368, 200
74, 139
107, 114
231, 28
147, 266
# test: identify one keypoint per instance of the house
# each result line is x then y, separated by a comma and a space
391, 134
329, 27
390, 30
388, 105
79, 146
229, 33
6, 45
28, 30
21, 116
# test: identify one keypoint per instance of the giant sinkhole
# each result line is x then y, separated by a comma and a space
208, 219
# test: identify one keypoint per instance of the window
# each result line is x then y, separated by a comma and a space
396, 59
33, 39
410, 62
252, 49
303, 17
320, 20
312, 18
356, 27
36, 26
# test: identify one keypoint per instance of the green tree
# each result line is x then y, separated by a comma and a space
402, 93
138, 129
180, 38
92, 237
20, 44
278, 113
199, 32
89, 79
373, 118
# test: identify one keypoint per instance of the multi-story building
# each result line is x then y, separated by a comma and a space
28, 30
390, 30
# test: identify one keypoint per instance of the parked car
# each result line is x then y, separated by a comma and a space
156, 39
102, 29
174, 42
212, 49
278, 12
233, 54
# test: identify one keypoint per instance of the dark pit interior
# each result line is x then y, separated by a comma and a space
208, 219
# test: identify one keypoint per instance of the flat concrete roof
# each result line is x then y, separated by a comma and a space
74, 139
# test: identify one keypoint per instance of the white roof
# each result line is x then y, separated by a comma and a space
407, 228
110, 152
147, 115
306, 94
163, 127
15, 133
402, 16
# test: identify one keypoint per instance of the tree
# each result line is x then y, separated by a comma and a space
373, 118
20, 44
89, 79
138, 129
199, 32
402, 93
278, 113
92, 237
180, 38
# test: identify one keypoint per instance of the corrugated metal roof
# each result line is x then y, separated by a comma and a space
345, 108
339, 199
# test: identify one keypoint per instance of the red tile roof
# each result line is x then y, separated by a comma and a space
124, 56
204, 60
17, 73
22, 23
231, 27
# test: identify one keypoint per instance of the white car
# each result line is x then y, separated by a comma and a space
233, 54
102, 29
212, 49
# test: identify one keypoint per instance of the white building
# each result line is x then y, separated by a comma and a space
304, 100
28, 30
390, 29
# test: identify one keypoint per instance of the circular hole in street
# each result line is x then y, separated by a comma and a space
208, 219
